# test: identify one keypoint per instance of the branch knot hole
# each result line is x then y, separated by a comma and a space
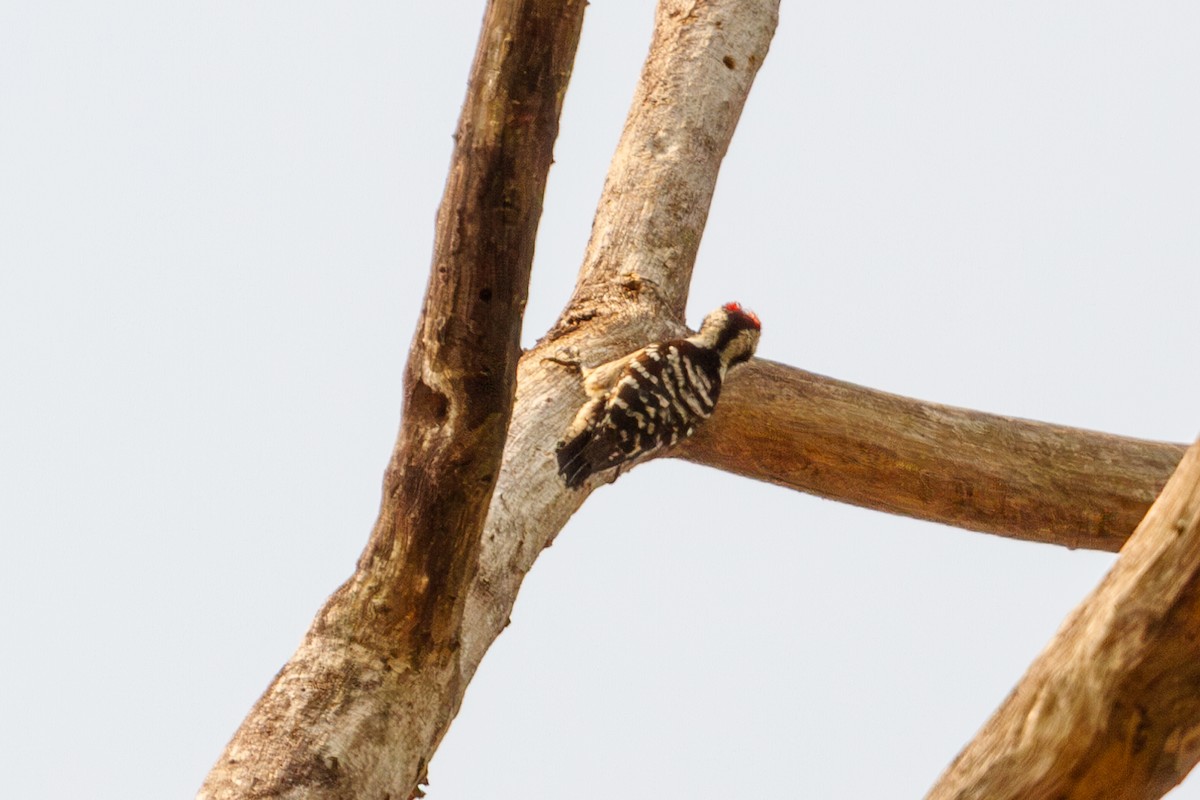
428, 404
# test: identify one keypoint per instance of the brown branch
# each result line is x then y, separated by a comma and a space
361, 706
1012, 477
1111, 708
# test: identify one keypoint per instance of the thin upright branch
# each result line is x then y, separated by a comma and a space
1012, 477
702, 62
1111, 708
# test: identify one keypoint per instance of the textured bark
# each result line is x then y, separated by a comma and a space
1111, 708
1012, 477
635, 277
361, 706
703, 59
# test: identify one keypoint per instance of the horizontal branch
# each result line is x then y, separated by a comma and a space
1111, 708
1011, 477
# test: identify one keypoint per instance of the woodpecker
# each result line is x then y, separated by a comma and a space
651, 399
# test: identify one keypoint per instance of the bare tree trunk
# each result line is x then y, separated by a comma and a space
1111, 708
360, 708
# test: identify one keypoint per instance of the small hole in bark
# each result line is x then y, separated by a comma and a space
485, 295
729, 62
430, 404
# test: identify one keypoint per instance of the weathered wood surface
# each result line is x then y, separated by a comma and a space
361, 706
1012, 477
1111, 708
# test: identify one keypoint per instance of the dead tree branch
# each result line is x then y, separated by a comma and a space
1111, 708
363, 703
652, 213
635, 276
1012, 477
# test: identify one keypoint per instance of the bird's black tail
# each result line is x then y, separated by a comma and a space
573, 464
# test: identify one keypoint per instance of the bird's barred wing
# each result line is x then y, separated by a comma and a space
661, 393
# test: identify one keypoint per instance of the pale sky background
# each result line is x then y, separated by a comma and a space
215, 226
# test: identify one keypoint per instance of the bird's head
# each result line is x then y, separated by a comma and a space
733, 332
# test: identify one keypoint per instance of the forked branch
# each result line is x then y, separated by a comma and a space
362, 705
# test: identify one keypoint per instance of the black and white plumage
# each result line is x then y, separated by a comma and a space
653, 398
